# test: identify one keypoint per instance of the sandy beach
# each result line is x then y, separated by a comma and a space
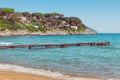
8, 75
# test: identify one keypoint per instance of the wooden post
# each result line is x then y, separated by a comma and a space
62, 46
78, 44
13, 46
30, 47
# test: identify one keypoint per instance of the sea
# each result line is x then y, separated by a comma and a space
68, 63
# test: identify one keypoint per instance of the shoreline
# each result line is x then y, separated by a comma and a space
26, 33
14, 72
48, 75
10, 75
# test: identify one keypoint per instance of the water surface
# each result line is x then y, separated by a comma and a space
101, 61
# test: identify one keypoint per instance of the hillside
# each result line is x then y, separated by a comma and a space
25, 23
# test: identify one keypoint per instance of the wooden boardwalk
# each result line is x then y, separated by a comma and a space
30, 46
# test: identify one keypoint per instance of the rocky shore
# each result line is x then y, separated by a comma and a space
54, 32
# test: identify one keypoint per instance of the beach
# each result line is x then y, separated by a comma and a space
9, 75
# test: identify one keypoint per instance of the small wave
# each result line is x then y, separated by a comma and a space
5, 43
55, 75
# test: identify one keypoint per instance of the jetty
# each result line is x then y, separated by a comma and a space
30, 46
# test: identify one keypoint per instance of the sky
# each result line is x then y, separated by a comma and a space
101, 15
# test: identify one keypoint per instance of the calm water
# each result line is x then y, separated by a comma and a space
84, 60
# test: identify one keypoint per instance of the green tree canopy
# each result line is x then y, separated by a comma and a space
38, 15
8, 10
27, 14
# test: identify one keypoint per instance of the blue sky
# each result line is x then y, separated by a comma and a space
101, 15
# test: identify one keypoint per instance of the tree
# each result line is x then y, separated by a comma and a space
0, 23
10, 10
15, 26
74, 21
53, 15
26, 14
38, 15
1, 11
7, 11
18, 14
57, 15
13, 18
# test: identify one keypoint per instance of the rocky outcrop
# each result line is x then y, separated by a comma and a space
90, 31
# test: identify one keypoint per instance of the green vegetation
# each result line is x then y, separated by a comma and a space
8, 10
10, 20
71, 29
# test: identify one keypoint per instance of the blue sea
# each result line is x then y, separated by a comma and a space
101, 62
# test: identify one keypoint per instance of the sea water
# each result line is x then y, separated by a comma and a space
95, 61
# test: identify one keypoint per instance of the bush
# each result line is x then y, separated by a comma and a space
81, 28
8, 10
38, 15
71, 29
15, 26
27, 14
41, 28
31, 29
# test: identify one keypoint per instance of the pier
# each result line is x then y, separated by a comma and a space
30, 46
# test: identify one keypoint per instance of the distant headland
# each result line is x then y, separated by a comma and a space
25, 23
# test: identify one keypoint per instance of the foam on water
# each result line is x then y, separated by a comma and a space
5, 43
56, 75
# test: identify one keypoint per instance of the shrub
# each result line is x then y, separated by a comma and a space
31, 28
8, 10
71, 29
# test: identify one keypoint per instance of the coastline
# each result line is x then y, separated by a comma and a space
26, 33
14, 72
10, 75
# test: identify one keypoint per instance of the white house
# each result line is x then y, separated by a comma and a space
22, 19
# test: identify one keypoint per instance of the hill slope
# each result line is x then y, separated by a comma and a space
25, 23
